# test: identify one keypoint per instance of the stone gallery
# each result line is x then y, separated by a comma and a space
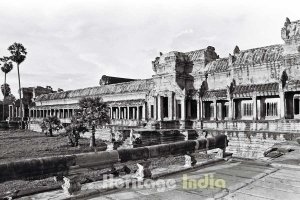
253, 89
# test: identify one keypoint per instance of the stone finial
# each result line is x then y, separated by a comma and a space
220, 153
155, 64
143, 171
231, 59
236, 50
287, 22
188, 161
71, 185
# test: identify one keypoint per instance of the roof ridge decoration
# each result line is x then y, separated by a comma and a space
290, 32
259, 55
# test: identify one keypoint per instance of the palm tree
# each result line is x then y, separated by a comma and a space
6, 68
18, 55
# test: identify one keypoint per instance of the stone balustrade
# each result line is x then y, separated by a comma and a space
65, 165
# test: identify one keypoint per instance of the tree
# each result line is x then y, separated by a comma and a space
93, 112
5, 89
50, 124
6, 68
18, 55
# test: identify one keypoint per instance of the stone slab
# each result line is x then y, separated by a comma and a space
269, 193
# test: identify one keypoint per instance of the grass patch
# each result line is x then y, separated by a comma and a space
22, 144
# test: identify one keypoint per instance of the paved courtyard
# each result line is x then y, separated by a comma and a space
243, 181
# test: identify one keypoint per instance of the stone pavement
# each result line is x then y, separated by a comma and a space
243, 180
268, 178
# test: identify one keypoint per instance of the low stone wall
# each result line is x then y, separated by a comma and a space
62, 165
292, 126
250, 144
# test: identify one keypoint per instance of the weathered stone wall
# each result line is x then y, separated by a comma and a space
251, 145
284, 126
61, 165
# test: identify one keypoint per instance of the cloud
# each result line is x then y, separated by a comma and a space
184, 32
72, 43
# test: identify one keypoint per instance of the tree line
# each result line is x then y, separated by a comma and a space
17, 54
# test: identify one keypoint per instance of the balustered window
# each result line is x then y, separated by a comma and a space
247, 109
297, 104
271, 109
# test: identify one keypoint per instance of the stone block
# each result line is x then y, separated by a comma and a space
140, 153
181, 148
99, 159
159, 150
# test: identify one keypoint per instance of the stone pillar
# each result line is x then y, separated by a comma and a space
188, 109
221, 110
175, 108
282, 105
133, 112
201, 113
144, 114
119, 112
9, 112
138, 113
183, 113
254, 99
159, 108
215, 109
198, 109
170, 106
230, 109
155, 108
127, 112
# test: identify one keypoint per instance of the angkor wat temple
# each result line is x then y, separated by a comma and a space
253, 89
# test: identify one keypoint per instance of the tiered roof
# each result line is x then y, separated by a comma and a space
133, 86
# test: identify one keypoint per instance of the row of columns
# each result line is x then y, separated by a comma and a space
14, 111
42, 113
129, 112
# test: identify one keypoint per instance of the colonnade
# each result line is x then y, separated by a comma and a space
60, 113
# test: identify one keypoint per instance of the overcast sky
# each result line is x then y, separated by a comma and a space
71, 44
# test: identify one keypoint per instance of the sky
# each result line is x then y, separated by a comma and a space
72, 43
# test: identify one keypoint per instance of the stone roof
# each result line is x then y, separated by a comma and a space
133, 86
57, 107
107, 80
260, 89
259, 55
219, 65
215, 94
196, 55
135, 102
257, 88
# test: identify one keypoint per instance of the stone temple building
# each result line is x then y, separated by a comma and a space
253, 89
